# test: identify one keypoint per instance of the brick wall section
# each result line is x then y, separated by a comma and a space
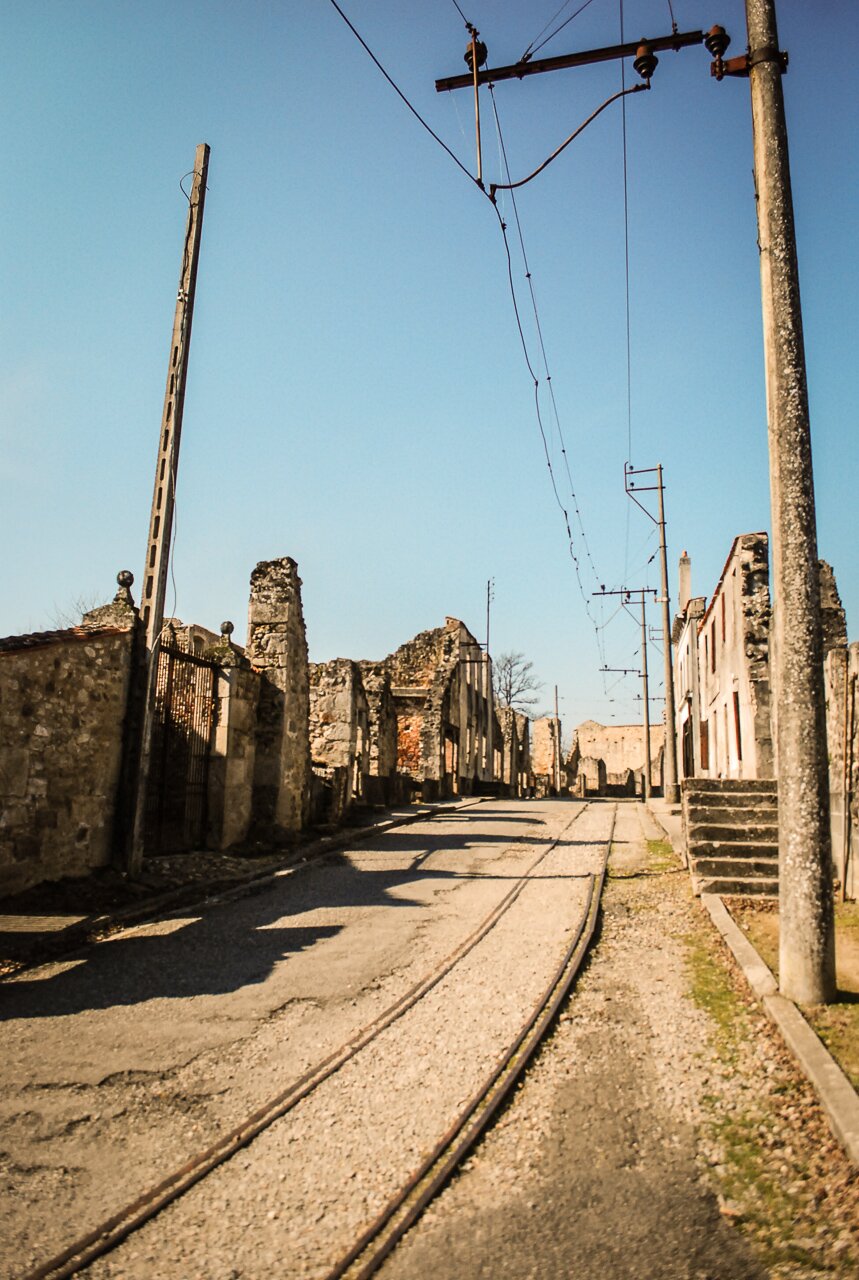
277, 650
63, 699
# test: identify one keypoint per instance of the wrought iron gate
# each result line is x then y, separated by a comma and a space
184, 723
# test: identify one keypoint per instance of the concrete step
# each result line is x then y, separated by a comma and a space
723, 814
736, 887
732, 849
760, 785
736, 868
731, 800
719, 831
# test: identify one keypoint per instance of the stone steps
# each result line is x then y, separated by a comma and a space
731, 827
731, 815
741, 887
726, 832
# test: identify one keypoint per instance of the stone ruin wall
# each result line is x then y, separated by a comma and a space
277, 649
753, 556
382, 719
63, 698
338, 715
543, 746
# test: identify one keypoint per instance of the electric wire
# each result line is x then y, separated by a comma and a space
512, 186
503, 227
533, 47
539, 331
462, 15
456, 160
626, 271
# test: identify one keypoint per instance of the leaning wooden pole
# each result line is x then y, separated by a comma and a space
158, 546
167, 461
806, 921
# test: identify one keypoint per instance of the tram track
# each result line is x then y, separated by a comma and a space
403, 1209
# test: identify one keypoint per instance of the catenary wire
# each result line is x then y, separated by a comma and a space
533, 47
503, 228
456, 160
539, 331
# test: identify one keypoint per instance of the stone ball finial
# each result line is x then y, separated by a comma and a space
227, 629
125, 578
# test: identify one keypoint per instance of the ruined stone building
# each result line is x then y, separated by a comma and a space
546, 756
610, 759
515, 737
721, 668
246, 747
448, 736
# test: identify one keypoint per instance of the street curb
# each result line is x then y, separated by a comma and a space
837, 1095
93, 928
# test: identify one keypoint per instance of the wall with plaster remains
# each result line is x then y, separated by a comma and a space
63, 701
441, 684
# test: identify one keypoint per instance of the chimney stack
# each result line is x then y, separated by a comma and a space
685, 589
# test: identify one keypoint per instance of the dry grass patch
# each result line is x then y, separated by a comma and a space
836, 1024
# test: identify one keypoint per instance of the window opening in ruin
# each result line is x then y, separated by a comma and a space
713, 647
737, 730
727, 741
723, 617
705, 745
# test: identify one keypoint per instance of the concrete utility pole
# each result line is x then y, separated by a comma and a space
164, 494
671, 788
806, 922
167, 461
645, 693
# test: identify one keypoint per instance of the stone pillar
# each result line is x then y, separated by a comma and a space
231, 770
277, 649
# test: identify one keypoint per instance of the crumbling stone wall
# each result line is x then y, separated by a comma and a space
441, 686
832, 615
277, 650
63, 701
753, 554
841, 682
382, 719
620, 750
545, 751
231, 766
514, 731
340, 723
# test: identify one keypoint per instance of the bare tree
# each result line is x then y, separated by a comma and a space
513, 682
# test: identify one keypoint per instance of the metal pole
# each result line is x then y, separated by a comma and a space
671, 789
645, 785
806, 914
164, 493
475, 73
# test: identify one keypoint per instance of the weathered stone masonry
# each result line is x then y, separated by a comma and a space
277, 649
63, 699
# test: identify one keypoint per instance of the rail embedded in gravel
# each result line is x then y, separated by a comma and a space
404, 1209
112, 1231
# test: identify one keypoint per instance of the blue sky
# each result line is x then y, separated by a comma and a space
357, 394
